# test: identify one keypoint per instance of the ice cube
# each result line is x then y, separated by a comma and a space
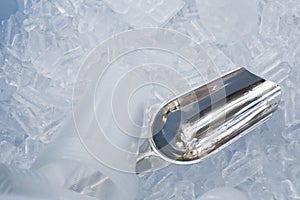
278, 73
66, 7
184, 190
146, 13
197, 30
292, 105
268, 62
238, 52
289, 190
160, 185
222, 159
270, 19
208, 176
8, 29
6, 90
223, 193
30, 149
256, 45
260, 192
7, 151
63, 25
239, 171
229, 20
293, 173
286, 26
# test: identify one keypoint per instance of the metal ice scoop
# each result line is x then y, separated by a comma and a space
208, 118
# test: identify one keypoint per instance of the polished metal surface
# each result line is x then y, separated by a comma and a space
208, 118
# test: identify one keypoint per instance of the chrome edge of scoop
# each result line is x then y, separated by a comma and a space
212, 116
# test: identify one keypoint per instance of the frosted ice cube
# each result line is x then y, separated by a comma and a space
228, 20
241, 170
8, 28
63, 25
31, 148
278, 73
238, 52
7, 151
290, 190
256, 45
221, 60
260, 192
66, 7
196, 29
208, 175
160, 185
223, 193
120, 6
146, 13
268, 62
222, 159
292, 105
6, 90
184, 190
270, 19
293, 173
286, 26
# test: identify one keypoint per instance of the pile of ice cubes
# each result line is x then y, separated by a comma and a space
43, 44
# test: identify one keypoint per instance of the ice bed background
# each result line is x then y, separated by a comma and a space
42, 43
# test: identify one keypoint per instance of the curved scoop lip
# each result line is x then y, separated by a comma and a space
206, 119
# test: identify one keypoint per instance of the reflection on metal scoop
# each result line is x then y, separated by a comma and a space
208, 118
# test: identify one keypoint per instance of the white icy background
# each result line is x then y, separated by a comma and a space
42, 45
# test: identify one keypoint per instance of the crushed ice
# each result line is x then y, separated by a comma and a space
43, 43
